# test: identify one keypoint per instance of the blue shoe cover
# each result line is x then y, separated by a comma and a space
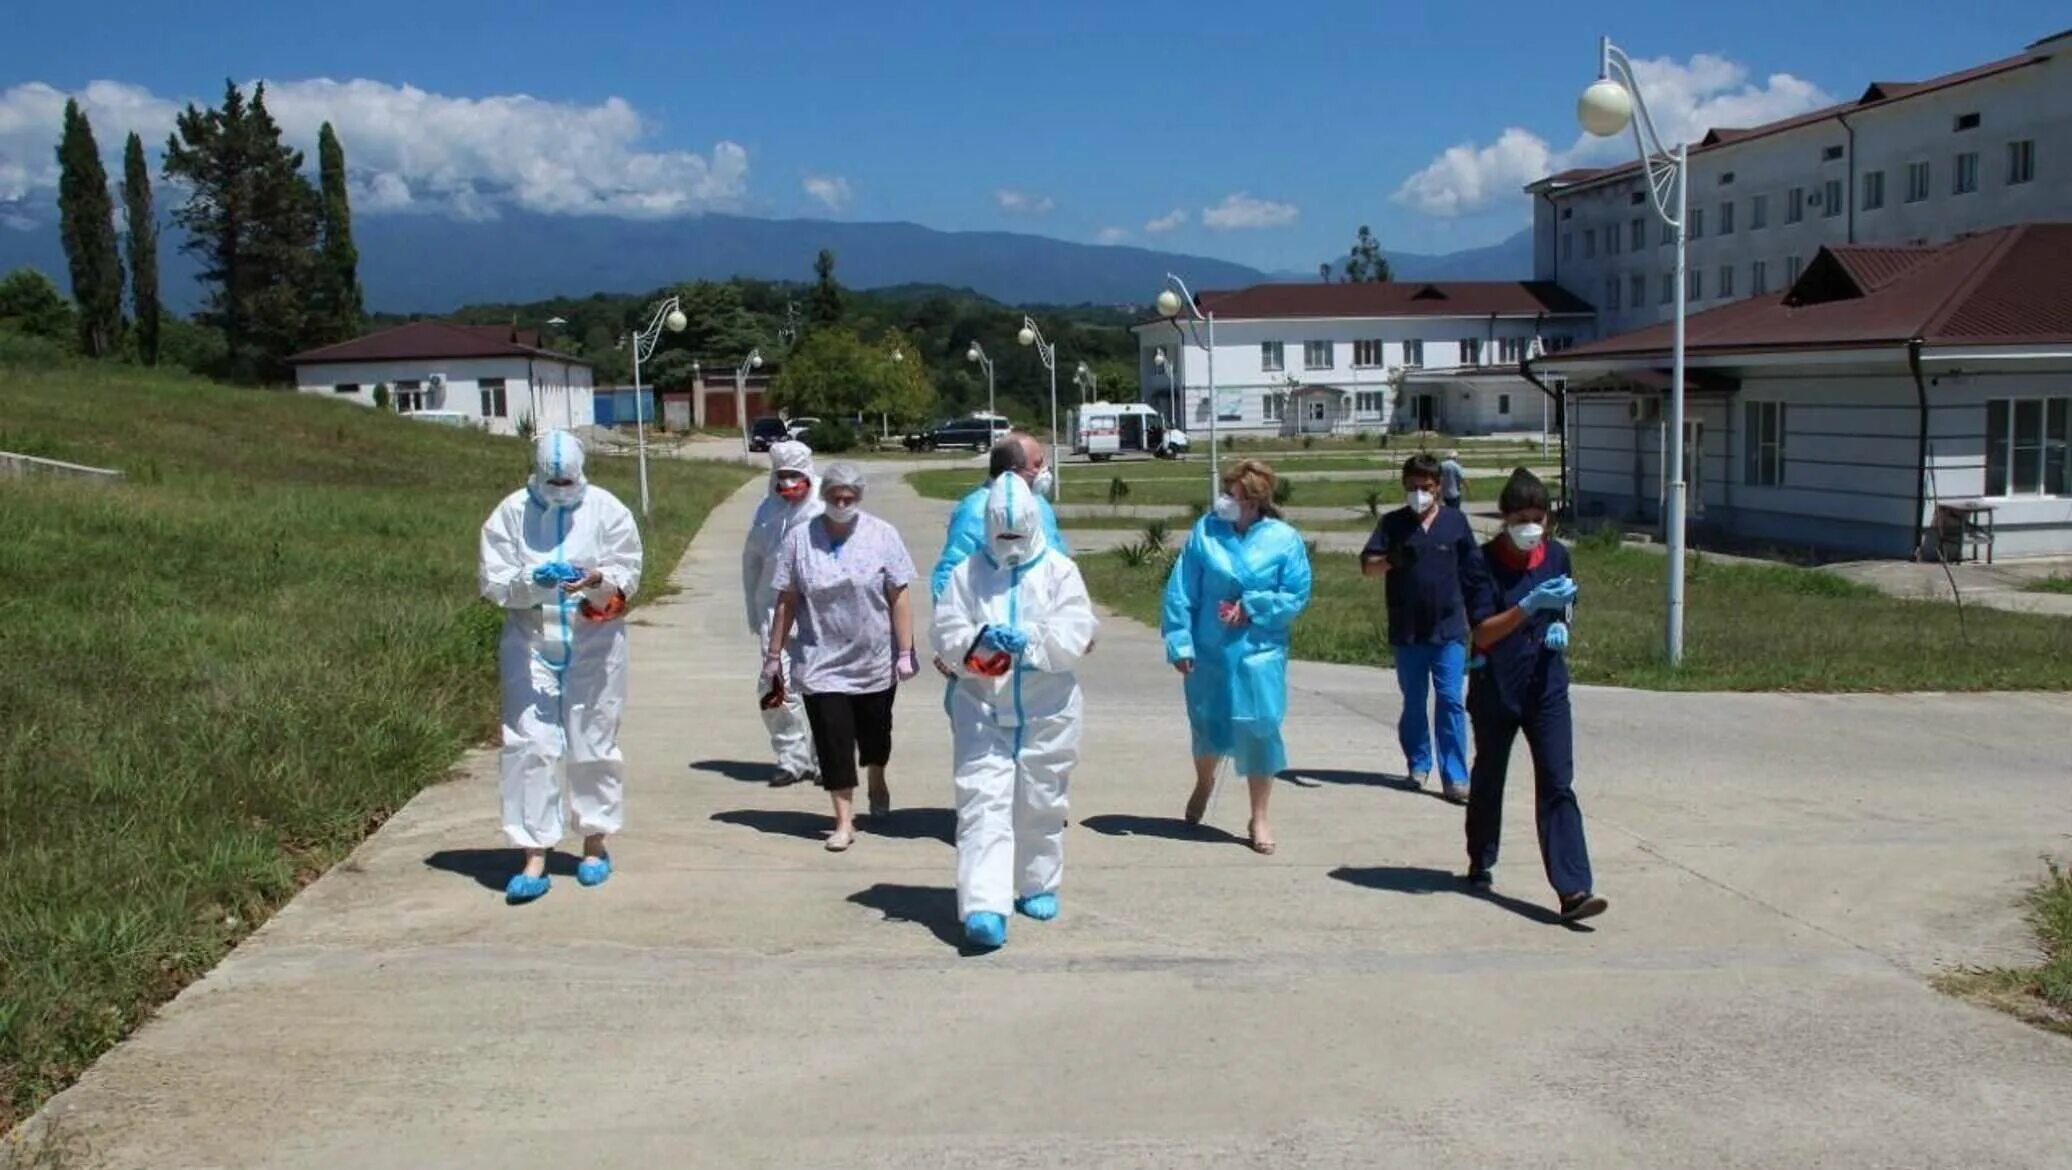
524, 889
985, 929
594, 870
1041, 907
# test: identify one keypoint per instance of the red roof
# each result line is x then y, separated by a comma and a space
422, 340
2012, 286
1459, 298
1878, 94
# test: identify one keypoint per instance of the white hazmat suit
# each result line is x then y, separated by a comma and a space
563, 656
1014, 736
791, 738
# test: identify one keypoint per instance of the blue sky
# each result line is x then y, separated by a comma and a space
1272, 129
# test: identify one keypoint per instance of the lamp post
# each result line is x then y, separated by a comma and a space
1089, 384
977, 354
669, 315
754, 361
1048, 351
1171, 300
1607, 109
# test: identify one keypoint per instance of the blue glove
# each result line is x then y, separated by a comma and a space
555, 573
1557, 637
1006, 639
1549, 595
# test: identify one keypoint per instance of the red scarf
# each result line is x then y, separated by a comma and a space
1508, 553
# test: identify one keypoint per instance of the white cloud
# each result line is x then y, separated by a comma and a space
1175, 218
1023, 202
408, 148
1241, 210
831, 190
1686, 99
1113, 235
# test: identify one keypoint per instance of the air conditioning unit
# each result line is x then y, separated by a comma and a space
1644, 410
435, 382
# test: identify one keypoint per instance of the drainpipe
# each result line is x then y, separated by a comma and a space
1554, 210
1851, 196
1567, 481
1921, 452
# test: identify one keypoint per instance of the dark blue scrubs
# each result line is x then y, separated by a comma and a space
1524, 687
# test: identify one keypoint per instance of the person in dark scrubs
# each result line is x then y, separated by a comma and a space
1424, 552
1522, 606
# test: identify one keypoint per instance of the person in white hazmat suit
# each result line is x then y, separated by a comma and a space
1012, 622
562, 557
794, 500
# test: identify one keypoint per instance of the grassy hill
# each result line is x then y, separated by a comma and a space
219, 675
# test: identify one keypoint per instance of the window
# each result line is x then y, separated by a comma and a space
1795, 205
1917, 182
2025, 446
1471, 348
2021, 162
1727, 179
1763, 445
1503, 405
1966, 122
1611, 240
409, 396
1964, 173
1367, 353
1758, 212
1568, 245
346, 388
1831, 154
1697, 223
1831, 198
1640, 292
1726, 219
1557, 343
1316, 355
1611, 294
1726, 280
1639, 231
1759, 278
493, 403
1413, 352
1792, 266
1589, 243
1274, 407
1272, 356
1567, 212
1511, 350
1873, 190
1668, 287
1637, 198
1695, 279
1367, 402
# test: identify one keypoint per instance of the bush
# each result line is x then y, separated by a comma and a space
1118, 490
1138, 555
1374, 502
1283, 490
830, 437
381, 396
1157, 533
1309, 442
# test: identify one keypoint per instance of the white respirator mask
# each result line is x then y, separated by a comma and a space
843, 513
1228, 509
1525, 537
1421, 501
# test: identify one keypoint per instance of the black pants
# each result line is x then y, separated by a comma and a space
848, 730
1550, 737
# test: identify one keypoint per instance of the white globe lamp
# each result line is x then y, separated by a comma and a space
1605, 109
1169, 303
676, 321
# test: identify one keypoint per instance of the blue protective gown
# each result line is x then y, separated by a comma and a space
1237, 693
968, 534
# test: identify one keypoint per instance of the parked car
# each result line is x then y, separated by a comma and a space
979, 434
799, 426
765, 431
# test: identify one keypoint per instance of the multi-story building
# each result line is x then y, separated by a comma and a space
1334, 358
1906, 163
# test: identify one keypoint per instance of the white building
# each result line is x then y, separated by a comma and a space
495, 376
1905, 163
1321, 358
1888, 391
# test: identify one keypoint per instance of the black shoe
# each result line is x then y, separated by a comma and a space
784, 779
1480, 879
1576, 907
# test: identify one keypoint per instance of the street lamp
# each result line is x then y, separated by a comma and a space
978, 354
669, 315
1172, 299
1048, 351
754, 361
1605, 110
1089, 385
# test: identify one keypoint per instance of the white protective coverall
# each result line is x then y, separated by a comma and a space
563, 657
775, 518
1014, 738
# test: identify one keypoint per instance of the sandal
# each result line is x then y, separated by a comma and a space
1262, 848
839, 842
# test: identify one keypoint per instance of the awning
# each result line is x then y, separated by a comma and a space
1706, 382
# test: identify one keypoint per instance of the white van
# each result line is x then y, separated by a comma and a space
1103, 430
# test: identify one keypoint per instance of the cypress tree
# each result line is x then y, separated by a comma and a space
87, 223
141, 224
339, 264
824, 303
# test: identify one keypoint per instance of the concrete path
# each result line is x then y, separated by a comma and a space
1785, 872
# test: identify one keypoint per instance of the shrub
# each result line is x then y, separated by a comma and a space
1137, 554
830, 437
1374, 502
381, 396
1118, 490
1283, 490
1157, 533
1309, 442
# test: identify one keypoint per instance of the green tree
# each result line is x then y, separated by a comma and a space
671, 370
721, 330
31, 303
1365, 264
338, 299
898, 381
828, 375
140, 226
824, 307
251, 218
87, 223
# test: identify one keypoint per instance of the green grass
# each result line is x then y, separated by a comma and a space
221, 674
2055, 583
1090, 486
2041, 994
1748, 628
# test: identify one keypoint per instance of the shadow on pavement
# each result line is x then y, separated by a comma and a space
746, 771
934, 907
491, 868
1410, 879
789, 822
1168, 828
1315, 777
912, 824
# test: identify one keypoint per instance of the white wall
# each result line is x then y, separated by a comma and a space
554, 393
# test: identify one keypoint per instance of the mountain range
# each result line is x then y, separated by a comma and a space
428, 264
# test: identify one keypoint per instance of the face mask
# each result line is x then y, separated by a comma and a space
793, 490
1045, 484
560, 495
1421, 501
843, 513
1525, 537
1010, 551
1228, 509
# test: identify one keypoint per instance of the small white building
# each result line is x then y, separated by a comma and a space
1296, 359
1889, 396
495, 376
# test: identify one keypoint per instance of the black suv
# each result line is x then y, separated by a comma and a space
765, 431
979, 434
